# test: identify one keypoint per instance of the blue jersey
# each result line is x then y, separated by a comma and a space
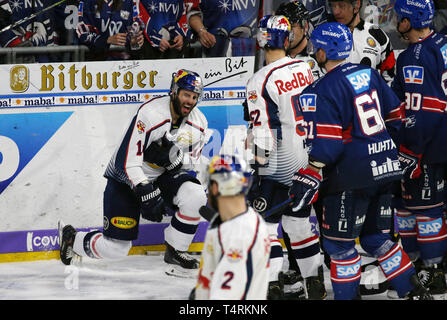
163, 19
99, 20
352, 116
421, 83
226, 18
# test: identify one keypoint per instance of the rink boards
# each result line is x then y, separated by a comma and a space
60, 124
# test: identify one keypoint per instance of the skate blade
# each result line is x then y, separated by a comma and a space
177, 271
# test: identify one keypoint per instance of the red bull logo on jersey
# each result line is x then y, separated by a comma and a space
414, 74
141, 126
299, 80
252, 96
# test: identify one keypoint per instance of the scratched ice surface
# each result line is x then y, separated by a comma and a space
134, 277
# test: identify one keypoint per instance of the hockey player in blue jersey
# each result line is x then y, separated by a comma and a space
353, 118
421, 84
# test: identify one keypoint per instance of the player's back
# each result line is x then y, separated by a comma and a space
348, 111
273, 106
241, 248
421, 82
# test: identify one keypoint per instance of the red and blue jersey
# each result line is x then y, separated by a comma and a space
352, 119
421, 84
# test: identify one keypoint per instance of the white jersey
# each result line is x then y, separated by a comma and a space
313, 64
152, 121
234, 263
275, 118
371, 46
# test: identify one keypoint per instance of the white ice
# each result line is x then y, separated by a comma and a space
138, 277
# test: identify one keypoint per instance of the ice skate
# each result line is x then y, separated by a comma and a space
180, 263
66, 239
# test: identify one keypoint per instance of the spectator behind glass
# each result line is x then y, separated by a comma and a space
217, 23
34, 32
105, 23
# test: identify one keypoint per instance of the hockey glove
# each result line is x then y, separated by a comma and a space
410, 162
152, 204
166, 154
304, 190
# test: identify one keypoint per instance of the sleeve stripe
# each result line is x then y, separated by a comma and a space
434, 104
329, 131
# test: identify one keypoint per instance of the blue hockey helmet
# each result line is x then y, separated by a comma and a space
419, 12
231, 173
187, 80
334, 38
273, 31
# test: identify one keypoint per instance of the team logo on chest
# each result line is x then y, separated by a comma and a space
414, 74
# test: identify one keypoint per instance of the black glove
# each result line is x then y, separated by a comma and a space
152, 204
166, 154
304, 190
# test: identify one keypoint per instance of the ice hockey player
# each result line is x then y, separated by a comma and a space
372, 46
421, 85
302, 27
234, 263
353, 117
276, 139
145, 174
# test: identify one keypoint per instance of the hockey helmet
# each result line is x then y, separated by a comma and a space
419, 12
334, 38
187, 80
294, 11
273, 31
231, 173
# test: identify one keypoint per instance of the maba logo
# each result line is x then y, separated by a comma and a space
19, 78
414, 74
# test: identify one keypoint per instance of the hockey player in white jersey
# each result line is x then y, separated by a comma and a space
371, 45
276, 139
146, 173
302, 27
235, 256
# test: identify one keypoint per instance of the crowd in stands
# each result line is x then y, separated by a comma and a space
144, 29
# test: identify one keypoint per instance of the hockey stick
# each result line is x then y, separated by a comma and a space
32, 16
207, 213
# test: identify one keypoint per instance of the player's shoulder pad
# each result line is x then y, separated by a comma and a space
198, 118
155, 110
378, 34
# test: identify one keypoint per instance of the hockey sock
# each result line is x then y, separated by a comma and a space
276, 259
408, 232
345, 276
181, 230
431, 237
398, 269
95, 245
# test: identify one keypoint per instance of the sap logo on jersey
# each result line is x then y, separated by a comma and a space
360, 80
299, 80
308, 102
429, 228
444, 54
414, 74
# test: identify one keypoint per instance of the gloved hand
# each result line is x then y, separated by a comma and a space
152, 204
304, 190
410, 162
167, 155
